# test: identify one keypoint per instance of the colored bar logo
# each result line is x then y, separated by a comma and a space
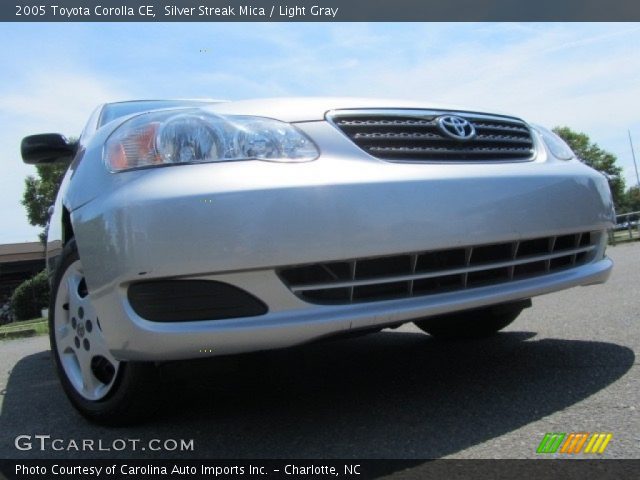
573, 443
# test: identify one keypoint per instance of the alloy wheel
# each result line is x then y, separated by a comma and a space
81, 348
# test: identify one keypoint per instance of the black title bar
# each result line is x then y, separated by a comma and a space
317, 10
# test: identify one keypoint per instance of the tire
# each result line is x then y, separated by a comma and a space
478, 323
102, 389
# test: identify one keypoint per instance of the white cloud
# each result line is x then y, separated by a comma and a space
586, 76
55, 102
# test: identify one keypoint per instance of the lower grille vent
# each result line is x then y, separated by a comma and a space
432, 272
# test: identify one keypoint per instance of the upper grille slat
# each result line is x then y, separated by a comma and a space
386, 123
431, 272
457, 152
434, 137
503, 139
415, 135
501, 128
399, 136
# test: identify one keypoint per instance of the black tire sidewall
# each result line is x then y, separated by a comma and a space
469, 324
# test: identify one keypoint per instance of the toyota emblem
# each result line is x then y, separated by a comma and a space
456, 127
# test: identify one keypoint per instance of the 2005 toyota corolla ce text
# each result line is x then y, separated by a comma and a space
197, 228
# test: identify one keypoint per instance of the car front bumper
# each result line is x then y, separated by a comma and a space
239, 222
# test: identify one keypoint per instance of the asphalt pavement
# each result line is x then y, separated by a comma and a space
568, 364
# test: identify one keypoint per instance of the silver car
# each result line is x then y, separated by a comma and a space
188, 229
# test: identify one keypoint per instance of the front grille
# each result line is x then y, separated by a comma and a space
439, 271
414, 135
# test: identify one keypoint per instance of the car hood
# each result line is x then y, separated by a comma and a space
307, 109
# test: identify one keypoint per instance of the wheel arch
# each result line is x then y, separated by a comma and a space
67, 226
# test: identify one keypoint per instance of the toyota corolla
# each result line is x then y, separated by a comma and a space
186, 229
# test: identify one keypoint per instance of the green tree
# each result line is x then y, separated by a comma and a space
30, 297
597, 158
40, 193
632, 200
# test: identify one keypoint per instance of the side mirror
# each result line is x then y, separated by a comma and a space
47, 148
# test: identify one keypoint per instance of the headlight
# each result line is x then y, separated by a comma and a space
195, 136
556, 145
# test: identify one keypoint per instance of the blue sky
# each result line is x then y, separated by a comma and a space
586, 76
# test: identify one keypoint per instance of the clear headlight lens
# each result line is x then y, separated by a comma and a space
556, 145
195, 136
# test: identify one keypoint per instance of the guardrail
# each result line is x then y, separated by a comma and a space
627, 228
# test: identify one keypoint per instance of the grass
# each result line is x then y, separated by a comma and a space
25, 328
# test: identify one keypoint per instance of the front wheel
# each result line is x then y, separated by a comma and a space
100, 387
477, 323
